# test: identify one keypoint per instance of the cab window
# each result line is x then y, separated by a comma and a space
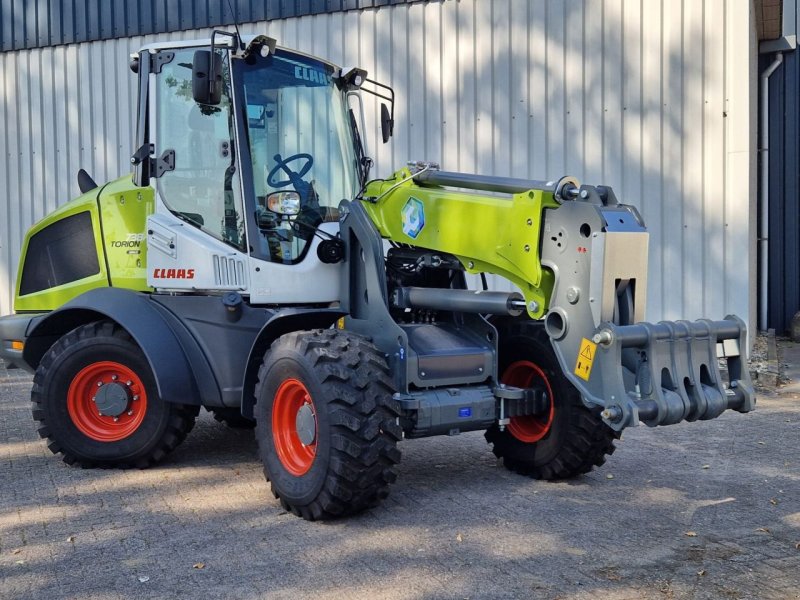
203, 189
301, 146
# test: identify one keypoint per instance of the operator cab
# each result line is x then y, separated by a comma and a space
250, 152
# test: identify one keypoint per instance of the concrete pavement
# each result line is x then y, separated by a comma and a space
698, 510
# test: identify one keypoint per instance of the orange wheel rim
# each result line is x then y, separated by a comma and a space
529, 428
295, 456
83, 409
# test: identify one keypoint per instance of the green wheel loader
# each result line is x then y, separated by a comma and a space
251, 266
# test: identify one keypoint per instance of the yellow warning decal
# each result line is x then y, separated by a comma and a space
583, 365
340, 323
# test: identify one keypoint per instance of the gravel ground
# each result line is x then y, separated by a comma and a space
700, 510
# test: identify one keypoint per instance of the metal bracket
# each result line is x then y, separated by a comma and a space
143, 152
513, 402
502, 420
162, 58
162, 164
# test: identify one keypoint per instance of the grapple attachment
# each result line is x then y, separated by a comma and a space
661, 373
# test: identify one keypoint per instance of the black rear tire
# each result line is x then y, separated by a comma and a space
348, 462
576, 439
64, 409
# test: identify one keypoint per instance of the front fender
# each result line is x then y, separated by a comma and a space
181, 371
283, 322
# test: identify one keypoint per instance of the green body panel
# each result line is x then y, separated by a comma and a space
118, 222
124, 208
53, 297
490, 234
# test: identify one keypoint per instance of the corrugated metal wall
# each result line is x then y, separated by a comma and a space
784, 190
40, 23
651, 97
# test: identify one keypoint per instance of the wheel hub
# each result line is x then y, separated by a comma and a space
294, 427
112, 399
306, 425
107, 401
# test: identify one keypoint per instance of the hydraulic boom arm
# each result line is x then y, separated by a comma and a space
579, 257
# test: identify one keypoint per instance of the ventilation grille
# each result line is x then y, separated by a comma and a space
60, 253
228, 272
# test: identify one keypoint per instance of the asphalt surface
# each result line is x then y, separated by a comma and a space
700, 510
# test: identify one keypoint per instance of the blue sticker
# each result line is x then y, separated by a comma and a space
465, 412
413, 216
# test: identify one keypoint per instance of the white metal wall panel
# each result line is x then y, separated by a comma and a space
651, 97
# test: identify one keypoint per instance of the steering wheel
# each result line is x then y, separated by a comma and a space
294, 177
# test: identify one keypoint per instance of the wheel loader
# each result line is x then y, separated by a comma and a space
252, 267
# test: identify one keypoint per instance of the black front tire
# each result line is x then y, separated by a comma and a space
576, 440
62, 412
348, 387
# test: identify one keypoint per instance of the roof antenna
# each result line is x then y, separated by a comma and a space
236, 26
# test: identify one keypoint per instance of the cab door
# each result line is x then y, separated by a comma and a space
197, 237
296, 148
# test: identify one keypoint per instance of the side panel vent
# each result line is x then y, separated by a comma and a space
228, 272
63, 252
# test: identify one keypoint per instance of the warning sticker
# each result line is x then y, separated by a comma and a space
583, 365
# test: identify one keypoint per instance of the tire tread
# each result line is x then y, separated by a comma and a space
180, 423
364, 430
587, 441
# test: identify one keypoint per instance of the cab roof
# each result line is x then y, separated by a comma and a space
223, 41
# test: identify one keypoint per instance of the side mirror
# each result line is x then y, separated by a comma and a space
206, 77
387, 123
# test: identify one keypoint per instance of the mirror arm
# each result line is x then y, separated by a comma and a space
389, 91
214, 33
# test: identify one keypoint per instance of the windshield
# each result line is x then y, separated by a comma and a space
300, 141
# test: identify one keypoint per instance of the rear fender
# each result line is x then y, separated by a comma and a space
181, 371
283, 322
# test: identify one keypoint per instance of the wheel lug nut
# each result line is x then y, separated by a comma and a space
114, 377
129, 383
116, 419
99, 384
130, 413
94, 399
136, 397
